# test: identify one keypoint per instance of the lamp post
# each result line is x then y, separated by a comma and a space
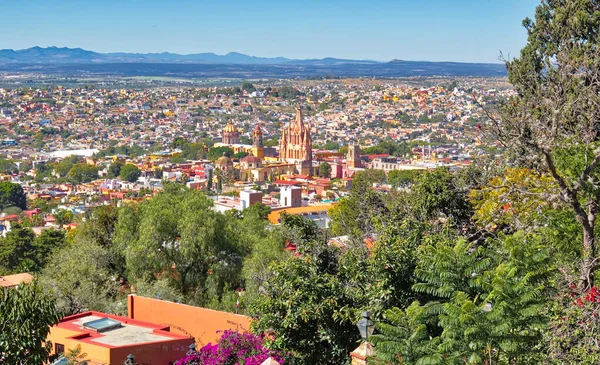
130, 360
192, 350
366, 327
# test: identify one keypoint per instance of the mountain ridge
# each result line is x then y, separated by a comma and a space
63, 55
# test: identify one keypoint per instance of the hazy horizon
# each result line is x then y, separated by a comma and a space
437, 30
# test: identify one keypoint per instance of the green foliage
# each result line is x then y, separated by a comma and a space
17, 252
161, 289
325, 170
216, 152
286, 92
363, 181
63, 167
76, 356
304, 308
402, 178
298, 229
82, 173
388, 147
559, 65
81, 277
43, 171
114, 170
26, 316
240, 155
246, 86
574, 327
257, 211
437, 196
130, 173
8, 167
131, 151
490, 308
12, 195
177, 232
63, 217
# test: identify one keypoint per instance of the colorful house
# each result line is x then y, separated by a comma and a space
109, 339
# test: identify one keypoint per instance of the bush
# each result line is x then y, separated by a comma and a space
233, 348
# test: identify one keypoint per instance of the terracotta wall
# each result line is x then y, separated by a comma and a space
94, 352
200, 323
163, 353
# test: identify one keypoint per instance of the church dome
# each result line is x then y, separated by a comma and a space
230, 128
224, 161
251, 159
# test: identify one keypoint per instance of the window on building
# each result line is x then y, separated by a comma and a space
59, 348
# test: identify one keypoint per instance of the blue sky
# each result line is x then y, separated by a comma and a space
432, 30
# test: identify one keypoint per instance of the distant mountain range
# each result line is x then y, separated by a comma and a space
77, 61
55, 55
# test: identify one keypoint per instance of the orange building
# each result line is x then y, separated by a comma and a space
201, 323
109, 339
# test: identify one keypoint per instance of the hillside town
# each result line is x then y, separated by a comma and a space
83, 155
288, 146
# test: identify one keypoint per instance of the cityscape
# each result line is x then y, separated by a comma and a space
326, 206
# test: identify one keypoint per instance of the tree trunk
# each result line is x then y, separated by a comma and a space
586, 280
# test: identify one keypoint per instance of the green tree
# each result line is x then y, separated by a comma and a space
82, 277
26, 316
82, 173
16, 250
130, 173
490, 306
309, 309
246, 86
402, 178
114, 170
44, 245
8, 167
178, 231
63, 217
240, 155
12, 195
547, 124
63, 167
363, 181
217, 152
435, 194
24, 166
76, 356
325, 170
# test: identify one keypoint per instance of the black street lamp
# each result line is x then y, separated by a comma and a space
366, 326
130, 360
192, 350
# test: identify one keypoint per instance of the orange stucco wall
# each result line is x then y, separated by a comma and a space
200, 323
152, 354
61, 335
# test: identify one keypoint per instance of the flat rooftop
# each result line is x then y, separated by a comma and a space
130, 332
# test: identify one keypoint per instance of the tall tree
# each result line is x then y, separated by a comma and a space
16, 250
130, 173
25, 319
553, 121
325, 170
178, 232
82, 173
114, 170
12, 195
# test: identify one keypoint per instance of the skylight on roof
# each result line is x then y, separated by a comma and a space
102, 324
